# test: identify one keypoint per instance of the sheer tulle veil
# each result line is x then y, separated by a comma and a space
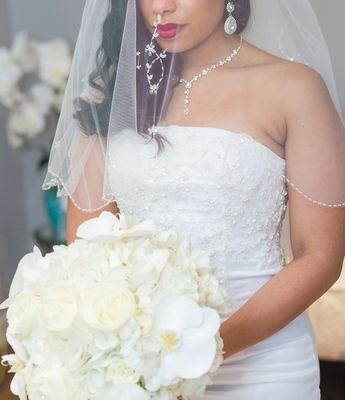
127, 84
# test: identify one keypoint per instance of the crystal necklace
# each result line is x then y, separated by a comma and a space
189, 84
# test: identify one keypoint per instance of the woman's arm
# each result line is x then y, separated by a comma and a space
88, 191
319, 251
317, 232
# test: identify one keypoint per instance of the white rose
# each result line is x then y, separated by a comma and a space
59, 308
22, 313
107, 306
118, 371
95, 379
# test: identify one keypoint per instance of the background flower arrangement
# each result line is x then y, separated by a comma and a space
33, 78
30, 107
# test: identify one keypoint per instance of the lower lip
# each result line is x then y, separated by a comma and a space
171, 33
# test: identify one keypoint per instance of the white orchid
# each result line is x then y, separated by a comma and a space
107, 227
188, 334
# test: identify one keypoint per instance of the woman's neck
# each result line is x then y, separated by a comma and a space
207, 53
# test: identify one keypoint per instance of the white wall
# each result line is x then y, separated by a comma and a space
331, 15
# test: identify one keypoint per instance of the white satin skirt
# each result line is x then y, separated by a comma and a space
284, 366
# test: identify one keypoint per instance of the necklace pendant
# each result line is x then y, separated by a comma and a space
230, 24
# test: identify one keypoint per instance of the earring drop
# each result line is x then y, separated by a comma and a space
230, 24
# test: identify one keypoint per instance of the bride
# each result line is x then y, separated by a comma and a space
243, 136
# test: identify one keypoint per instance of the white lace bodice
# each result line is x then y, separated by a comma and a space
226, 190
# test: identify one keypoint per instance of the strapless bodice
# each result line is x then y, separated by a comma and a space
225, 190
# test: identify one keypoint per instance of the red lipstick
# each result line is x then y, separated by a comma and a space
169, 31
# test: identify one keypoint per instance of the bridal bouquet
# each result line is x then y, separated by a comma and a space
126, 311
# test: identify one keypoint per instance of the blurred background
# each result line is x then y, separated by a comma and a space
37, 38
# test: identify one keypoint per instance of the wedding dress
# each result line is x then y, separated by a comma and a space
227, 191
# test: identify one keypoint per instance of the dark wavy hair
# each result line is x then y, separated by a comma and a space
103, 77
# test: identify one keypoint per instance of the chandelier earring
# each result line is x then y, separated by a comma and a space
230, 24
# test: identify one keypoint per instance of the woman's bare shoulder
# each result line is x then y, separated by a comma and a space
281, 68
294, 81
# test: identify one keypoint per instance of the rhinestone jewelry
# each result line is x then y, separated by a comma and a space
151, 51
230, 24
188, 84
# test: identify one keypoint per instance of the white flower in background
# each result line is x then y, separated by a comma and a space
28, 120
82, 326
42, 96
12, 98
54, 62
28, 110
23, 52
10, 73
14, 140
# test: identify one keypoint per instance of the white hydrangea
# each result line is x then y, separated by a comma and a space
50, 61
